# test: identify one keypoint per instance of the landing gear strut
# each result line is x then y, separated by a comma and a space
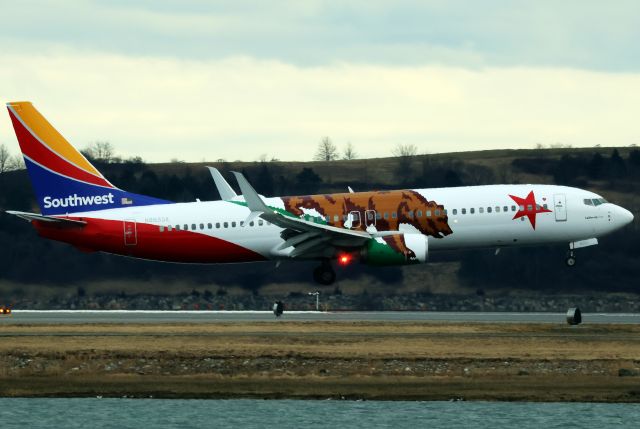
571, 258
324, 274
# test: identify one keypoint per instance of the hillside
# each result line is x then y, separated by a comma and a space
29, 265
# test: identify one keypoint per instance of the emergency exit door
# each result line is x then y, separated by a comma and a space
130, 233
560, 207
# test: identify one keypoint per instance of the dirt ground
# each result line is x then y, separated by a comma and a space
538, 362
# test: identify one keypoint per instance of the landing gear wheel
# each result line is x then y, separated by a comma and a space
571, 260
324, 274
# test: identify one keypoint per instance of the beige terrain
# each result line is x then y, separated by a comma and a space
541, 362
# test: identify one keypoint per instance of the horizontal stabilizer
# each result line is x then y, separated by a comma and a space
42, 218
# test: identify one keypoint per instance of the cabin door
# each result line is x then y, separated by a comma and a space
560, 207
130, 233
353, 221
370, 218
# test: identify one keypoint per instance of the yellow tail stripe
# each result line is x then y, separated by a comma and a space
50, 136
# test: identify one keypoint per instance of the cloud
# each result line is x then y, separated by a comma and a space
491, 33
241, 107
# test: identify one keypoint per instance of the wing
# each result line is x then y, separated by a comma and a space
50, 219
308, 239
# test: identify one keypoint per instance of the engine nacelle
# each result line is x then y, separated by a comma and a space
396, 249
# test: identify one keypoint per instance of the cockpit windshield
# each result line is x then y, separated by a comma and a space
594, 201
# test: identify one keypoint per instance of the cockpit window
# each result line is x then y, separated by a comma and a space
595, 201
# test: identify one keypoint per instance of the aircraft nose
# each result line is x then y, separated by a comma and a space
625, 216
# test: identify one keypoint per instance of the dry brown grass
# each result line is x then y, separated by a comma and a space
316, 359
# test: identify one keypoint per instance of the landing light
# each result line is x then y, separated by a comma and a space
344, 259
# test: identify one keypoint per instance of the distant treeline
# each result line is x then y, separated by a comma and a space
611, 266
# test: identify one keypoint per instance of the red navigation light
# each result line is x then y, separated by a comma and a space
344, 259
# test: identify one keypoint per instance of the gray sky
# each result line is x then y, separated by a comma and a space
237, 79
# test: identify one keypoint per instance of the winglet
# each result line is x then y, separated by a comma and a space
224, 189
253, 200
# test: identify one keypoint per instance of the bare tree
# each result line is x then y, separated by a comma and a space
349, 152
5, 157
405, 153
327, 151
16, 162
405, 150
100, 151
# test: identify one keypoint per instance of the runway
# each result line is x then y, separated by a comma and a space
60, 317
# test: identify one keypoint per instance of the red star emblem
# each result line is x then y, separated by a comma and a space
531, 209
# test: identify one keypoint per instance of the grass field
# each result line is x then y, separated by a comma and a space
541, 362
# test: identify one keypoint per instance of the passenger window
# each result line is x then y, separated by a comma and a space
161, 228
209, 226
481, 210
217, 224
455, 211
472, 210
169, 228
193, 227
336, 218
419, 213
378, 216
464, 211
529, 207
327, 219
186, 227
233, 224
369, 215
427, 213
242, 223
488, 209
177, 227
386, 215
437, 213
545, 206
410, 214
394, 215
260, 222
251, 223
513, 208
202, 226
226, 224
505, 209
445, 212
521, 207
497, 209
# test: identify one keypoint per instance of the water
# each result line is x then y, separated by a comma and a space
245, 413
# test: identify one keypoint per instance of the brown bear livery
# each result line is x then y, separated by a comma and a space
406, 204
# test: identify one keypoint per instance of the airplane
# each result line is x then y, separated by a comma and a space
81, 207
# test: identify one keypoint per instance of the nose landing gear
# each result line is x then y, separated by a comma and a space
571, 259
324, 274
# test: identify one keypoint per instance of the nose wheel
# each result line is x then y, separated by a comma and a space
324, 274
571, 259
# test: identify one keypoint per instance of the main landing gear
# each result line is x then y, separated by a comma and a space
571, 259
324, 274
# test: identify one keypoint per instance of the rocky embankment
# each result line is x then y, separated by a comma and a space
337, 302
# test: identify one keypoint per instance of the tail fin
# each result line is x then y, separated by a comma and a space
63, 179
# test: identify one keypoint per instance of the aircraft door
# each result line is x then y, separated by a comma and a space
370, 218
130, 233
353, 220
560, 207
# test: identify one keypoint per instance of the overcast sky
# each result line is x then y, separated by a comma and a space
237, 79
